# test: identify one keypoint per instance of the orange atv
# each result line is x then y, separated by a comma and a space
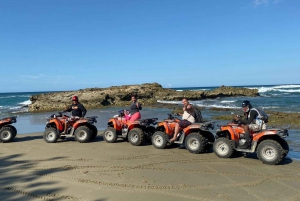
7, 131
269, 144
82, 129
136, 132
196, 137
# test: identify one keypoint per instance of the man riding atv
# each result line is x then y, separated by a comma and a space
255, 120
187, 118
78, 112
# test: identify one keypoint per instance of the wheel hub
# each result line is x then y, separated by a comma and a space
269, 153
134, 138
5, 135
51, 136
109, 135
194, 144
158, 140
223, 148
82, 134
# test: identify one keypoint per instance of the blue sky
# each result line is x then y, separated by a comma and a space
70, 44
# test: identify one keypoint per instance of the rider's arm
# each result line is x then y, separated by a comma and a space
68, 109
82, 109
253, 114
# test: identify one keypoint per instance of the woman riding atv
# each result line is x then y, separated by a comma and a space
135, 108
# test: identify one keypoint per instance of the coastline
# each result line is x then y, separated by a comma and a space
120, 171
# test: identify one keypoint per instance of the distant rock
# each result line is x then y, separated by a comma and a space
148, 94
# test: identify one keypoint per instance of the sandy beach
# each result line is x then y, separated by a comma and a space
31, 169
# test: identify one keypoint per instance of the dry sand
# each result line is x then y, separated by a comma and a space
31, 169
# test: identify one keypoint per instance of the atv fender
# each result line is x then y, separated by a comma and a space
56, 124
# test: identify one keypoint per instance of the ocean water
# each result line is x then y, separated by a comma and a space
272, 97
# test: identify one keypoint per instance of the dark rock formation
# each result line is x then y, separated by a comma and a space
148, 94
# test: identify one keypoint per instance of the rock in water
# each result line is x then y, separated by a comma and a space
148, 94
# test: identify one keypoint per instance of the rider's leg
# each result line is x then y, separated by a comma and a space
66, 127
247, 135
177, 129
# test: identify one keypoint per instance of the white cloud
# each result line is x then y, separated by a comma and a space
277, 1
265, 2
261, 2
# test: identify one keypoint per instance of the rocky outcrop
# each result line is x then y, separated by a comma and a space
148, 94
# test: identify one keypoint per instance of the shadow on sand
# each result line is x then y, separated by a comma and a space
15, 185
27, 138
253, 156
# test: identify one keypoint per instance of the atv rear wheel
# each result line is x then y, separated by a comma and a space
136, 137
94, 131
159, 140
7, 134
195, 143
223, 147
110, 135
83, 134
270, 152
50, 135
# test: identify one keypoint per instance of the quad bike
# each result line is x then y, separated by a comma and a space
7, 131
196, 137
82, 129
136, 132
269, 144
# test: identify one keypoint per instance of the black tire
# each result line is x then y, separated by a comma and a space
94, 131
136, 137
159, 140
110, 135
7, 134
50, 135
223, 147
270, 152
195, 143
14, 128
210, 140
285, 146
83, 134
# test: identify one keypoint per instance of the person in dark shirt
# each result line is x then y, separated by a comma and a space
77, 109
250, 122
135, 108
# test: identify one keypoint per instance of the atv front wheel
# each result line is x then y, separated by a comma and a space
14, 128
94, 131
159, 140
110, 135
136, 137
223, 147
50, 135
7, 134
285, 146
195, 143
270, 152
83, 134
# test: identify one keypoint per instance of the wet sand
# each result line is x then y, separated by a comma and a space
31, 169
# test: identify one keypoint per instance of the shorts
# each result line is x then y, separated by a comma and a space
73, 118
184, 123
256, 127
